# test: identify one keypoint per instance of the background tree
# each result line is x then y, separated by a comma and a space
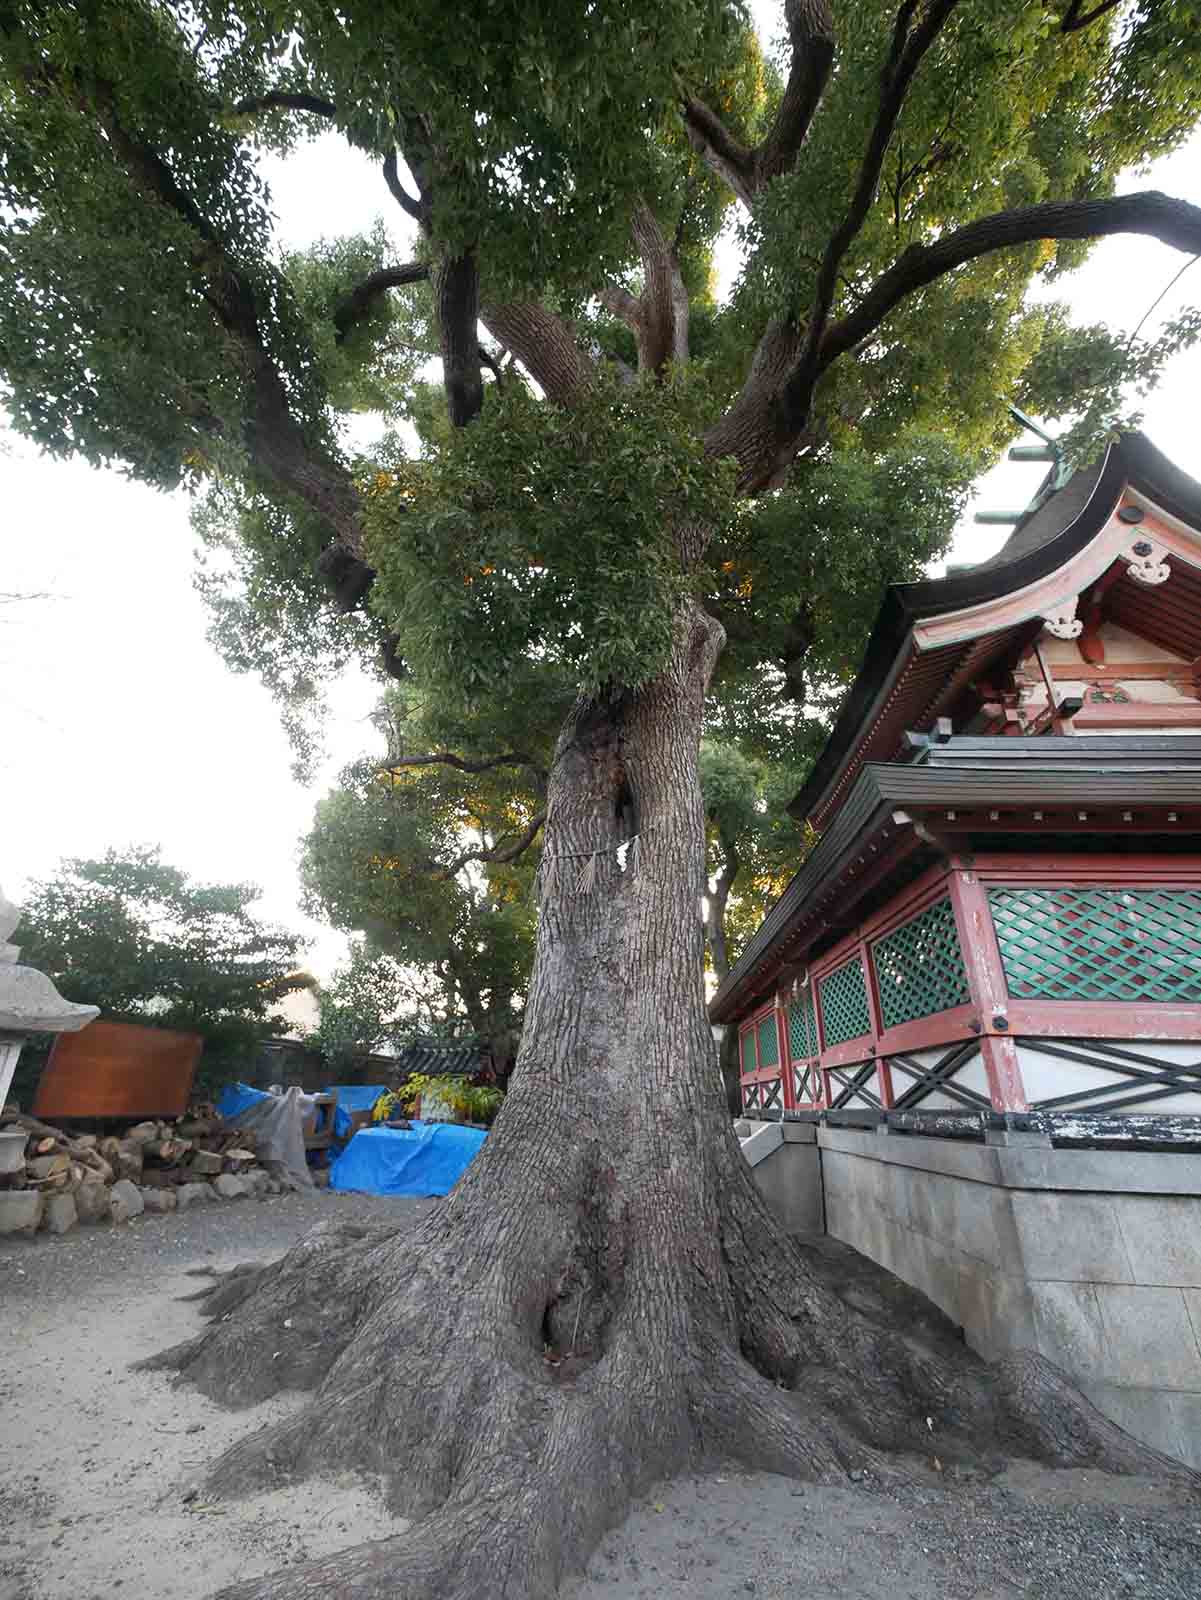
430, 856
360, 1009
614, 443
134, 936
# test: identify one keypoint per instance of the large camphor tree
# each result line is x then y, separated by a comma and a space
626, 472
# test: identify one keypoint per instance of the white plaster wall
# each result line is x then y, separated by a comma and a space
1047, 1077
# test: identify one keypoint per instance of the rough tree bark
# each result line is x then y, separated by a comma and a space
604, 1297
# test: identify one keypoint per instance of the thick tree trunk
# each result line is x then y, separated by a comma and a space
604, 1296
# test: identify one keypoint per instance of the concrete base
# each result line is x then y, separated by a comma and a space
787, 1166
1091, 1256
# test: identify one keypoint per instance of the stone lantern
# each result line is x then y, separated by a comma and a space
29, 1003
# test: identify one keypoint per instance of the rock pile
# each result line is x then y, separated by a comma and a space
52, 1180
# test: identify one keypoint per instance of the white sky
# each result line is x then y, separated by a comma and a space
120, 724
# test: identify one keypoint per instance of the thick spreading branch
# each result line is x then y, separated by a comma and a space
909, 47
659, 318
664, 297
812, 37
544, 343
1074, 20
276, 441
358, 303
447, 758
407, 202
284, 100
501, 854
457, 308
1158, 216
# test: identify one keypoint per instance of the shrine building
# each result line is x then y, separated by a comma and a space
992, 953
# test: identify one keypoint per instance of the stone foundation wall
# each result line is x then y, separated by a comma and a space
1091, 1256
787, 1165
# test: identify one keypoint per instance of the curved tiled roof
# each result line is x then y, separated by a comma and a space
1042, 541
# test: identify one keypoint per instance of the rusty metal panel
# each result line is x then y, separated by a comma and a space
117, 1070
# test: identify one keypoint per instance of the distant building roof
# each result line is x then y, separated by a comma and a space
438, 1059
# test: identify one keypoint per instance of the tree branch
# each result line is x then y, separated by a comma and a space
732, 161
659, 318
718, 900
457, 306
407, 202
493, 364
622, 304
662, 332
1073, 22
447, 758
276, 441
358, 303
284, 100
500, 855
811, 34
544, 344
905, 56
1159, 216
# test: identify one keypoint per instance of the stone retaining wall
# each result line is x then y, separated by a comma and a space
1091, 1256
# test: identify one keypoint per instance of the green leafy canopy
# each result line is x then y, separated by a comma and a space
134, 936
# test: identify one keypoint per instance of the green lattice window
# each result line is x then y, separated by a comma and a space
844, 1004
769, 1042
1100, 944
747, 1046
802, 1028
919, 967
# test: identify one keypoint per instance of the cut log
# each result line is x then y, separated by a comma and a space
239, 1160
194, 1127
165, 1151
47, 1166
205, 1163
42, 1147
32, 1125
129, 1159
85, 1141
55, 1180
142, 1133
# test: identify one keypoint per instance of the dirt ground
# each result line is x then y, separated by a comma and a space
98, 1467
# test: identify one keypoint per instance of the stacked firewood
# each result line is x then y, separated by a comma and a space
151, 1166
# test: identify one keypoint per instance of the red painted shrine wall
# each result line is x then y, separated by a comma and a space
860, 1070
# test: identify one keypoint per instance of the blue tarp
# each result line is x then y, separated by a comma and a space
236, 1098
352, 1097
239, 1097
427, 1159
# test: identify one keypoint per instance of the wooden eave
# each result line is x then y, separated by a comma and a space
932, 639
898, 818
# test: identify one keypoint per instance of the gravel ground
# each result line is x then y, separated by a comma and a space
95, 1462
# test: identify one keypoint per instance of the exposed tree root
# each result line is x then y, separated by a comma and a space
440, 1364
305, 1309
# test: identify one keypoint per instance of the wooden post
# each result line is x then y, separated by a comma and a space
883, 1071
784, 1050
988, 989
